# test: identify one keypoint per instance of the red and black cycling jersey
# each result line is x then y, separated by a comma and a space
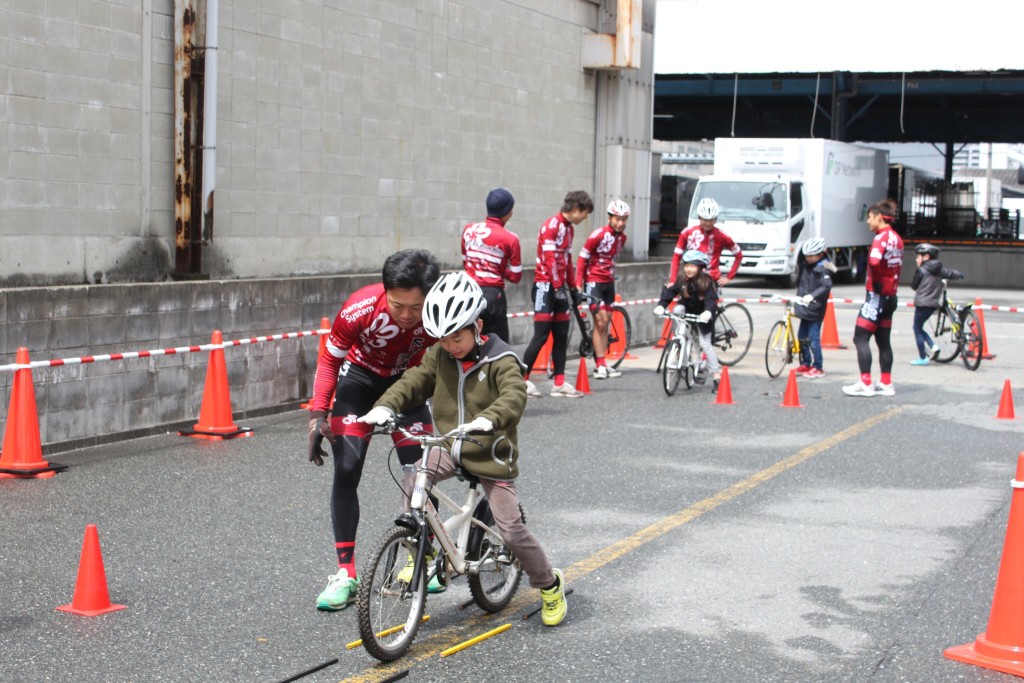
491, 253
712, 244
884, 262
364, 334
554, 252
596, 262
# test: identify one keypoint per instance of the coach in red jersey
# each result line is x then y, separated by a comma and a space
377, 335
491, 255
875, 318
553, 288
595, 270
711, 240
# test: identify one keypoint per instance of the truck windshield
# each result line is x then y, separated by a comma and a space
754, 202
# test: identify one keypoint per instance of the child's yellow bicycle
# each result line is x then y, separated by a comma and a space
783, 346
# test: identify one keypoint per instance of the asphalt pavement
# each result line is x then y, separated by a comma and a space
850, 539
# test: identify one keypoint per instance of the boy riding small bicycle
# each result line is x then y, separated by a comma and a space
814, 282
476, 383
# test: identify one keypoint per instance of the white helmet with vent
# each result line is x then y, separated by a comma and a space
454, 302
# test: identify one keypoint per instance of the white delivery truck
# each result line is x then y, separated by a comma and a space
775, 194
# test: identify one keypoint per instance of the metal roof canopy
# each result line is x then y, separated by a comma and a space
941, 107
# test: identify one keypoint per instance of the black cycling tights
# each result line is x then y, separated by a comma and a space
560, 332
862, 339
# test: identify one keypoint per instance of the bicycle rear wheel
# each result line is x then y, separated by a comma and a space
620, 330
494, 585
970, 340
944, 336
673, 366
777, 351
734, 330
389, 610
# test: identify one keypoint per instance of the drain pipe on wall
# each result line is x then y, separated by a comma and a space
210, 119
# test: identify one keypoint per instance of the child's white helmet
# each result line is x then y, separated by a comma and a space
454, 302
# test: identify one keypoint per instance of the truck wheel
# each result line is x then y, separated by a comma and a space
855, 273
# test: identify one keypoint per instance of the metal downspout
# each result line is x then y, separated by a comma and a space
184, 22
210, 119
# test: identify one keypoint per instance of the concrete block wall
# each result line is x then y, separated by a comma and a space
92, 403
346, 131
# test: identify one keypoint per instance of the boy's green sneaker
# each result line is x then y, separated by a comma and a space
553, 605
436, 586
339, 594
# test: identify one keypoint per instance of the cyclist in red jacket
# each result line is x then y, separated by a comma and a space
875, 318
709, 239
595, 270
491, 255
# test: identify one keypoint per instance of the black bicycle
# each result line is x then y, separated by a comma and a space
733, 331
620, 332
956, 332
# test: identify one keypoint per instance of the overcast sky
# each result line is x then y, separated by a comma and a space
747, 36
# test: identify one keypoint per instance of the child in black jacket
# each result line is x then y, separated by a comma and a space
813, 286
927, 286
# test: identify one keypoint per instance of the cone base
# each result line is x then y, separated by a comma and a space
43, 470
198, 433
792, 405
89, 612
968, 654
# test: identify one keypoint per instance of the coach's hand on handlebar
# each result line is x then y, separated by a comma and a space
319, 429
379, 416
659, 310
477, 425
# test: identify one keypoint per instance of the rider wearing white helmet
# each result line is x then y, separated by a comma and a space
595, 270
814, 282
709, 239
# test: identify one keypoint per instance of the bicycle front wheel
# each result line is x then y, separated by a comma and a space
620, 331
734, 330
945, 336
389, 609
970, 340
692, 353
777, 351
673, 366
493, 586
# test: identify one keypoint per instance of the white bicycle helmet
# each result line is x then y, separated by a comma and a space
696, 256
707, 209
617, 207
454, 302
815, 245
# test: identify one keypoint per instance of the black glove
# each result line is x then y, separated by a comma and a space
319, 429
577, 298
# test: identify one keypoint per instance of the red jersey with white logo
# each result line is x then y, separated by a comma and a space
364, 334
712, 244
554, 252
884, 262
597, 256
490, 253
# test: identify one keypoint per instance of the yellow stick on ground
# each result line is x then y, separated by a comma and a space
385, 632
473, 641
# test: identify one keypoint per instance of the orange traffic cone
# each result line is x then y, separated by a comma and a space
91, 597
829, 333
541, 362
724, 397
984, 337
582, 381
215, 414
666, 333
1001, 646
325, 324
1006, 403
22, 455
792, 397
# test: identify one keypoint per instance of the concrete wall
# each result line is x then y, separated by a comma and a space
98, 402
345, 131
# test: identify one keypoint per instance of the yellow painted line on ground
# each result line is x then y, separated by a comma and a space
452, 636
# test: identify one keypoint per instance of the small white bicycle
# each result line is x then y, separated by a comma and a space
684, 358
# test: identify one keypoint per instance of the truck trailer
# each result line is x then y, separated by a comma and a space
776, 193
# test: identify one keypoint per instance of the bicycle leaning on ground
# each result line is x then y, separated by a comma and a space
620, 332
731, 335
957, 331
782, 346
393, 587
684, 358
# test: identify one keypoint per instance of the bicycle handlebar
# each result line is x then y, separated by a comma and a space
426, 438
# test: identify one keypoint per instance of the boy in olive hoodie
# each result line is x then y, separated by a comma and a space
476, 383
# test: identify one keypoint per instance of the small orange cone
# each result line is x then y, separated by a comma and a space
829, 333
1001, 646
985, 354
541, 362
792, 397
724, 397
22, 455
582, 381
666, 333
215, 414
1006, 403
321, 349
91, 597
